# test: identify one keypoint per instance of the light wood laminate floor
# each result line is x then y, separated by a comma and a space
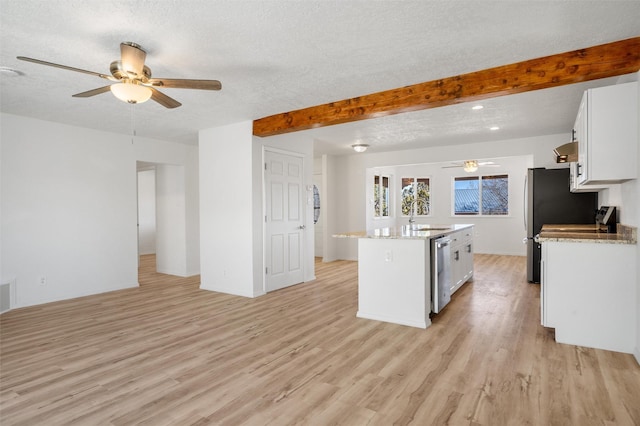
170, 353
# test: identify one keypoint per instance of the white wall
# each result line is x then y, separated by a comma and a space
232, 211
317, 227
171, 238
192, 207
147, 211
68, 210
636, 213
347, 183
226, 209
626, 197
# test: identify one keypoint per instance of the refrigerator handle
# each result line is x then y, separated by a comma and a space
524, 202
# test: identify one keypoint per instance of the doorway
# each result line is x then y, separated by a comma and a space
284, 220
162, 229
146, 211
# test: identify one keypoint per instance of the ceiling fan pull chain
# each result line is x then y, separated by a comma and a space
133, 118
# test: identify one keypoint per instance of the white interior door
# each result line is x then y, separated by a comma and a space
284, 220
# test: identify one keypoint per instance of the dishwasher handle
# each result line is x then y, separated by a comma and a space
443, 242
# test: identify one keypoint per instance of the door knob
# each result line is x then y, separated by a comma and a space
302, 227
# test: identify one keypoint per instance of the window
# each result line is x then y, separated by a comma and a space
380, 196
481, 195
411, 187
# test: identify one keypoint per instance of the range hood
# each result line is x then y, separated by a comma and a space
567, 152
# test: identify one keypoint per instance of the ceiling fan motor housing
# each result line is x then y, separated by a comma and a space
118, 71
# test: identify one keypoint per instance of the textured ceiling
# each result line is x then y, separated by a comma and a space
276, 56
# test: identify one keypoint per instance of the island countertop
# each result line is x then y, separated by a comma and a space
415, 231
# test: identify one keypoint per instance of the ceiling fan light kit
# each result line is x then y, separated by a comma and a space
132, 93
360, 147
470, 166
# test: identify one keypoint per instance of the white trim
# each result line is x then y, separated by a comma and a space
383, 318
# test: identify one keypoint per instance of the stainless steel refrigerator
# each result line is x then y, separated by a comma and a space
549, 201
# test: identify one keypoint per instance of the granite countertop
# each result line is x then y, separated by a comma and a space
588, 234
415, 231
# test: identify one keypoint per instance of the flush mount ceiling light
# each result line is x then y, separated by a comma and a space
470, 166
132, 93
494, 128
477, 107
360, 147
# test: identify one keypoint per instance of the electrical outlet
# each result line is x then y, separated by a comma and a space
42, 280
388, 256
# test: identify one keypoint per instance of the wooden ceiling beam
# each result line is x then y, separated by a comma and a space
606, 60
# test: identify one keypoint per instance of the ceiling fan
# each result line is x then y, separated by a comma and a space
132, 80
472, 165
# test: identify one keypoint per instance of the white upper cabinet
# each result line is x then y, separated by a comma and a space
607, 133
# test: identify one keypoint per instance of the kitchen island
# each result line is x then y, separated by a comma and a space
395, 270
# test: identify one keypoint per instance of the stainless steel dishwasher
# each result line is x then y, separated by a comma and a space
440, 273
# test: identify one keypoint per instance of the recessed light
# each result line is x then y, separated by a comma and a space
494, 128
476, 107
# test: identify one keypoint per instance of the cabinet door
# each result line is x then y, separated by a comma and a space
577, 187
553, 278
607, 134
467, 259
457, 271
580, 128
461, 258
544, 283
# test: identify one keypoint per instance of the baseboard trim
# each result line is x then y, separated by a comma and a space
418, 324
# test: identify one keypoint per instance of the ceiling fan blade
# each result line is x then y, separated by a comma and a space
64, 67
452, 167
177, 83
133, 57
93, 92
163, 99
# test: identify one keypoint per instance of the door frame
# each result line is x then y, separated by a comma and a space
303, 209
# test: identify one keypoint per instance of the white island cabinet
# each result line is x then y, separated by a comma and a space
588, 292
461, 258
394, 271
394, 277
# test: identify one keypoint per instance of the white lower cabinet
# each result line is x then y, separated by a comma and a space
461, 258
588, 294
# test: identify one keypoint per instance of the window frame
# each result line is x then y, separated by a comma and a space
378, 179
480, 178
415, 182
